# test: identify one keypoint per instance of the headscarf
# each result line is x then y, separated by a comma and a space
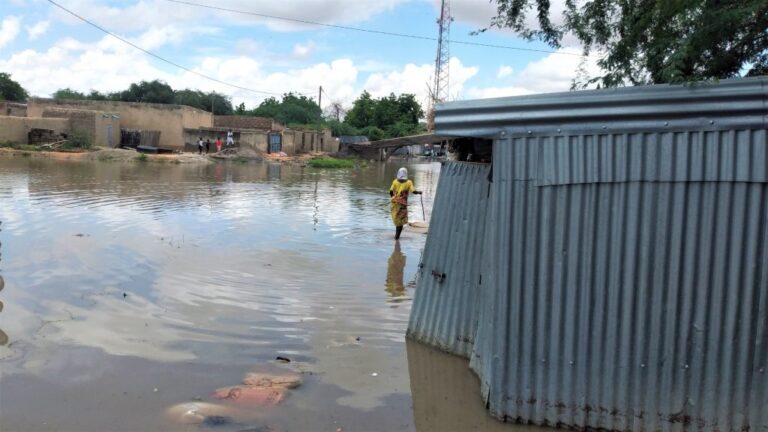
402, 174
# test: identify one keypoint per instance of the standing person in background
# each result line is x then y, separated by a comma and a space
199, 145
399, 191
230, 138
218, 144
207, 145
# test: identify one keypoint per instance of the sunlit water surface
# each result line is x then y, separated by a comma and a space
129, 288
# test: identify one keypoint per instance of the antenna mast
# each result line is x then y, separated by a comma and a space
440, 87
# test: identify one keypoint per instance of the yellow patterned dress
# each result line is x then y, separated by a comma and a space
399, 201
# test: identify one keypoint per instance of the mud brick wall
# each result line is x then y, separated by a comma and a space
245, 122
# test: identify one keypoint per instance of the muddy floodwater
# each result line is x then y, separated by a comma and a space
128, 289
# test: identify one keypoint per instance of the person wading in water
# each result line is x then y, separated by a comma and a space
398, 192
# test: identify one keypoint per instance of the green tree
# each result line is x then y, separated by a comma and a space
362, 112
10, 90
148, 91
68, 93
292, 109
240, 110
652, 41
339, 128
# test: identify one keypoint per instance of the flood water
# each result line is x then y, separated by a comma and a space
131, 288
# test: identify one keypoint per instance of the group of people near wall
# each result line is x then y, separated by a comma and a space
218, 143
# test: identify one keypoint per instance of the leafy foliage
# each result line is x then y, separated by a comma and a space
10, 90
388, 117
156, 92
290, 109
78, 139
326, 162
651, 41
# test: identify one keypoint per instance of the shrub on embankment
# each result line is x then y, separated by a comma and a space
328, 162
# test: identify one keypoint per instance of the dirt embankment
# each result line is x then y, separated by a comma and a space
108, 155
121, 155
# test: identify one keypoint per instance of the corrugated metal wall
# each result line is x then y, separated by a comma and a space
638, 305
624, 272
444, 309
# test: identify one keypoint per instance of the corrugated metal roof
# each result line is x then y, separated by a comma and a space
444, 313
727, 104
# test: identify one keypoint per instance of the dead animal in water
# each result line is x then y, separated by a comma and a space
251, 395
268, 380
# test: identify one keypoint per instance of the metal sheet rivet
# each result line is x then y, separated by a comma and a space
642, 365
571, 362
503, 133
529, 132
711, 122
666, 123
605, 127
762, 370
686, 366
543, 361
558, 130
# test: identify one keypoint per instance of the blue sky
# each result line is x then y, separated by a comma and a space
45, 49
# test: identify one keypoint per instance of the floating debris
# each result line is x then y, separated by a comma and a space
198, 412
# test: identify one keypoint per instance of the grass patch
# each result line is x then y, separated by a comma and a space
142, 157
17, 146
78, 139
326, 162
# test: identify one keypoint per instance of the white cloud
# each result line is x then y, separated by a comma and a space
145, 14
303, 51
247, 46
38, 29
416, 79
552, 73
9, 29
504, 71
478, 14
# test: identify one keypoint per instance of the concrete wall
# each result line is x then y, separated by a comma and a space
307, 140
13, 109
107, 130
15, 129
102, 127
170, 120
289, 146
245, 138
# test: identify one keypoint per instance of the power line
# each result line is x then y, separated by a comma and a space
208, 77
365, 30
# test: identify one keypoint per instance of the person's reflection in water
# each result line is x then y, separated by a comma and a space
395, 268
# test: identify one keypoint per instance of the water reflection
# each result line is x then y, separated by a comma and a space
446, 394
180, 268
395, 268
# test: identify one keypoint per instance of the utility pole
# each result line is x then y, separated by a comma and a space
320, 119
440, 86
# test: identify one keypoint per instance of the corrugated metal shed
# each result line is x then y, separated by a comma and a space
450, 266
625, 263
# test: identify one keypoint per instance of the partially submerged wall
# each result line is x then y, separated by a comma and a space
102, 127
170, 120
16, 129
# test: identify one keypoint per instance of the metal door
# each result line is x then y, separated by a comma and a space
275, 143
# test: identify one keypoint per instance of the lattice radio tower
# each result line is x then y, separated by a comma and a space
441, 85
